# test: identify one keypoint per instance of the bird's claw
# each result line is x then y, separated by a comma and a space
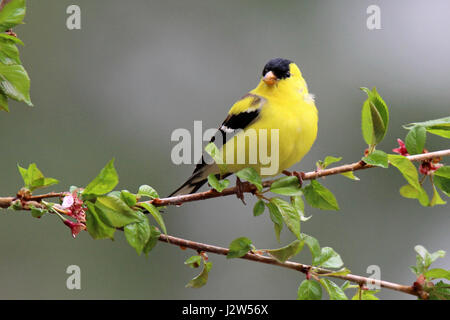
239, 190
300, 176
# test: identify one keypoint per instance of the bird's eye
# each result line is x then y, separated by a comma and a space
288, 74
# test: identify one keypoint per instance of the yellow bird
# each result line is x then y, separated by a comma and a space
281, 101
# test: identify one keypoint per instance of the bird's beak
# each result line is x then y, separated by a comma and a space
270, 78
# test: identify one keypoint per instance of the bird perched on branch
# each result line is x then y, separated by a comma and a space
281, 101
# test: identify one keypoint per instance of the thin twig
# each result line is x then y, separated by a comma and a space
291, 265
27, 203
249, 188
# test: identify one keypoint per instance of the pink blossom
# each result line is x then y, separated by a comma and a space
67, 201
401, 149
75, 227
427, 167
74, 206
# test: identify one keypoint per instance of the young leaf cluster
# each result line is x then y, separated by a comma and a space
425, 276
14, 80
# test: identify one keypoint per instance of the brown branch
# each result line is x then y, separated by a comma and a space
3, 3
249, 188
48, 195
293, 265
5, 202
28, 201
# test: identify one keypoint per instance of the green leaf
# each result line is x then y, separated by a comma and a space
365, 295
289, 214
217, 184
415, 270
259, 207
34, 179
16, 205
409, 172
309, 290
427, 258
434, 256
106, 181
250, 175
200, 280
406, 168
328, 259
375, 117
3, 102
436, 198
287, 252
299, 205
5, 36
9, 54
15, 83
194, 261
114, 194
346, 285
327, 161
12, 14
377, 158
239, 247
408, 191
320, 197
441, 179
415, 140
437, 274
288, 186
440, 127
153, 240
137, 234
440, 291
156, 215
340, 272
334, 291
95, 226
128, 198
214, 152
37, 212
147, 191
24, 173
277, 219
313, 246
350, 175
114, 212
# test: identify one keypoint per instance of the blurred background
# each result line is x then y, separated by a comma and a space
139, 69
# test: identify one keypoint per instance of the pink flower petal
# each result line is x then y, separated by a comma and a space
67, 201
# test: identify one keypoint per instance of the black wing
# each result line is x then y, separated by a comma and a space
239, 121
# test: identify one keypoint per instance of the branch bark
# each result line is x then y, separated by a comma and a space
249, 188
293, 265
29, 201
3, 3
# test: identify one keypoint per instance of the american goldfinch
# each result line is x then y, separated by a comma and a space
280, 101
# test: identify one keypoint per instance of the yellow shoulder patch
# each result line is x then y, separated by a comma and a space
248, 103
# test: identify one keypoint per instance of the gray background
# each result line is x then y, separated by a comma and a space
140, 69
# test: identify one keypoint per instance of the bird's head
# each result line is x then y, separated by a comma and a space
279, 69
280, 72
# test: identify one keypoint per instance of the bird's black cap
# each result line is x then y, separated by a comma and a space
279, 66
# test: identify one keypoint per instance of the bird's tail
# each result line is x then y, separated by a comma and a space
197, 180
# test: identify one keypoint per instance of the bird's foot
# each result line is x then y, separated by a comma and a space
300, 176
239, 190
